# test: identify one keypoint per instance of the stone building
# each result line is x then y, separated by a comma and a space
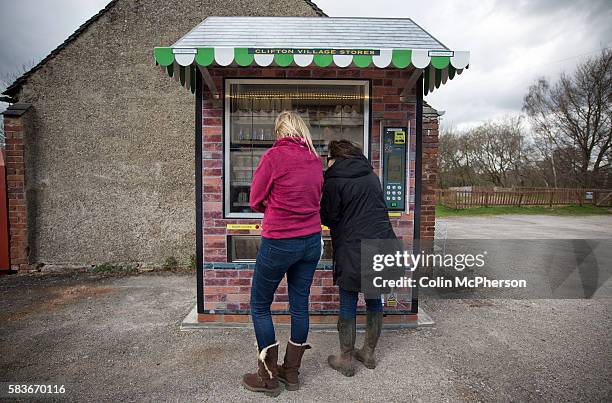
100, 145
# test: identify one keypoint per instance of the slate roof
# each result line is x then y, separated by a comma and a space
310, 32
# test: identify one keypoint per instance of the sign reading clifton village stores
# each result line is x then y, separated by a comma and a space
302, 51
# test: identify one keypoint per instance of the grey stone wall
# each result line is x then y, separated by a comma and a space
110, 158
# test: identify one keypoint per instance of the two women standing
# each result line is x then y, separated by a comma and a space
288, 188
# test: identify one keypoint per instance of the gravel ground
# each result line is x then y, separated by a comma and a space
118, 338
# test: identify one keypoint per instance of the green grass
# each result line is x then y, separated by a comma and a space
108, 268
170, 263
442, 211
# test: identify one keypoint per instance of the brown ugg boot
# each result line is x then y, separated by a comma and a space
289, 371
373, 327
343, 363
266, 378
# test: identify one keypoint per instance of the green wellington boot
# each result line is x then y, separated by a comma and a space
343, 363
373, 327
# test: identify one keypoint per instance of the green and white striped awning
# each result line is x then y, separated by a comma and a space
305, 42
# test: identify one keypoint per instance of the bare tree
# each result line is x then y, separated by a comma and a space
497, 150
454, 160
496, 153
573, 117
8, 78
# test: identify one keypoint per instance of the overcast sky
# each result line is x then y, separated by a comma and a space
511, 42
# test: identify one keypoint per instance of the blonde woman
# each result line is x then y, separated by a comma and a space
287, 188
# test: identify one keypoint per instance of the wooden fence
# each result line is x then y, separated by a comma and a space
460, 199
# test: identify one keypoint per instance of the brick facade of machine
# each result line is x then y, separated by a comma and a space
429, 180
226, 285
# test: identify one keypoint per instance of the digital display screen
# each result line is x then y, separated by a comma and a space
394, 168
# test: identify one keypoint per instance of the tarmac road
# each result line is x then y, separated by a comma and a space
528, 227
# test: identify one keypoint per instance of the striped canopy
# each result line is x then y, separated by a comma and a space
304, 42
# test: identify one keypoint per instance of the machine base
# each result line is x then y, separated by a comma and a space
318, 322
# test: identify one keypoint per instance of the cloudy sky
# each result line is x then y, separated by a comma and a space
512, 42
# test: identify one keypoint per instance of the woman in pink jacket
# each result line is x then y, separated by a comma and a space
287, 189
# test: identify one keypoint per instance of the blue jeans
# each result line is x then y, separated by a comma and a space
297, 258
348, 304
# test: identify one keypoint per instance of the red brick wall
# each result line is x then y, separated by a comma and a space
430, 178
15, 177
228, 288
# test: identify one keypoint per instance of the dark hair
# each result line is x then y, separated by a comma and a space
343, 149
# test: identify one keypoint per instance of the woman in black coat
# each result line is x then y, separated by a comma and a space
353, 207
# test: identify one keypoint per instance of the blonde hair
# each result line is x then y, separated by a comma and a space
290, 124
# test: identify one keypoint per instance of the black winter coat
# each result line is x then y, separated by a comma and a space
353, 207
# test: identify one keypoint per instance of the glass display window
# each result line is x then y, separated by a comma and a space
332, 110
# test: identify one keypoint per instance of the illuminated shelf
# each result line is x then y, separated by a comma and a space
254, 121
252, 142
267, 143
